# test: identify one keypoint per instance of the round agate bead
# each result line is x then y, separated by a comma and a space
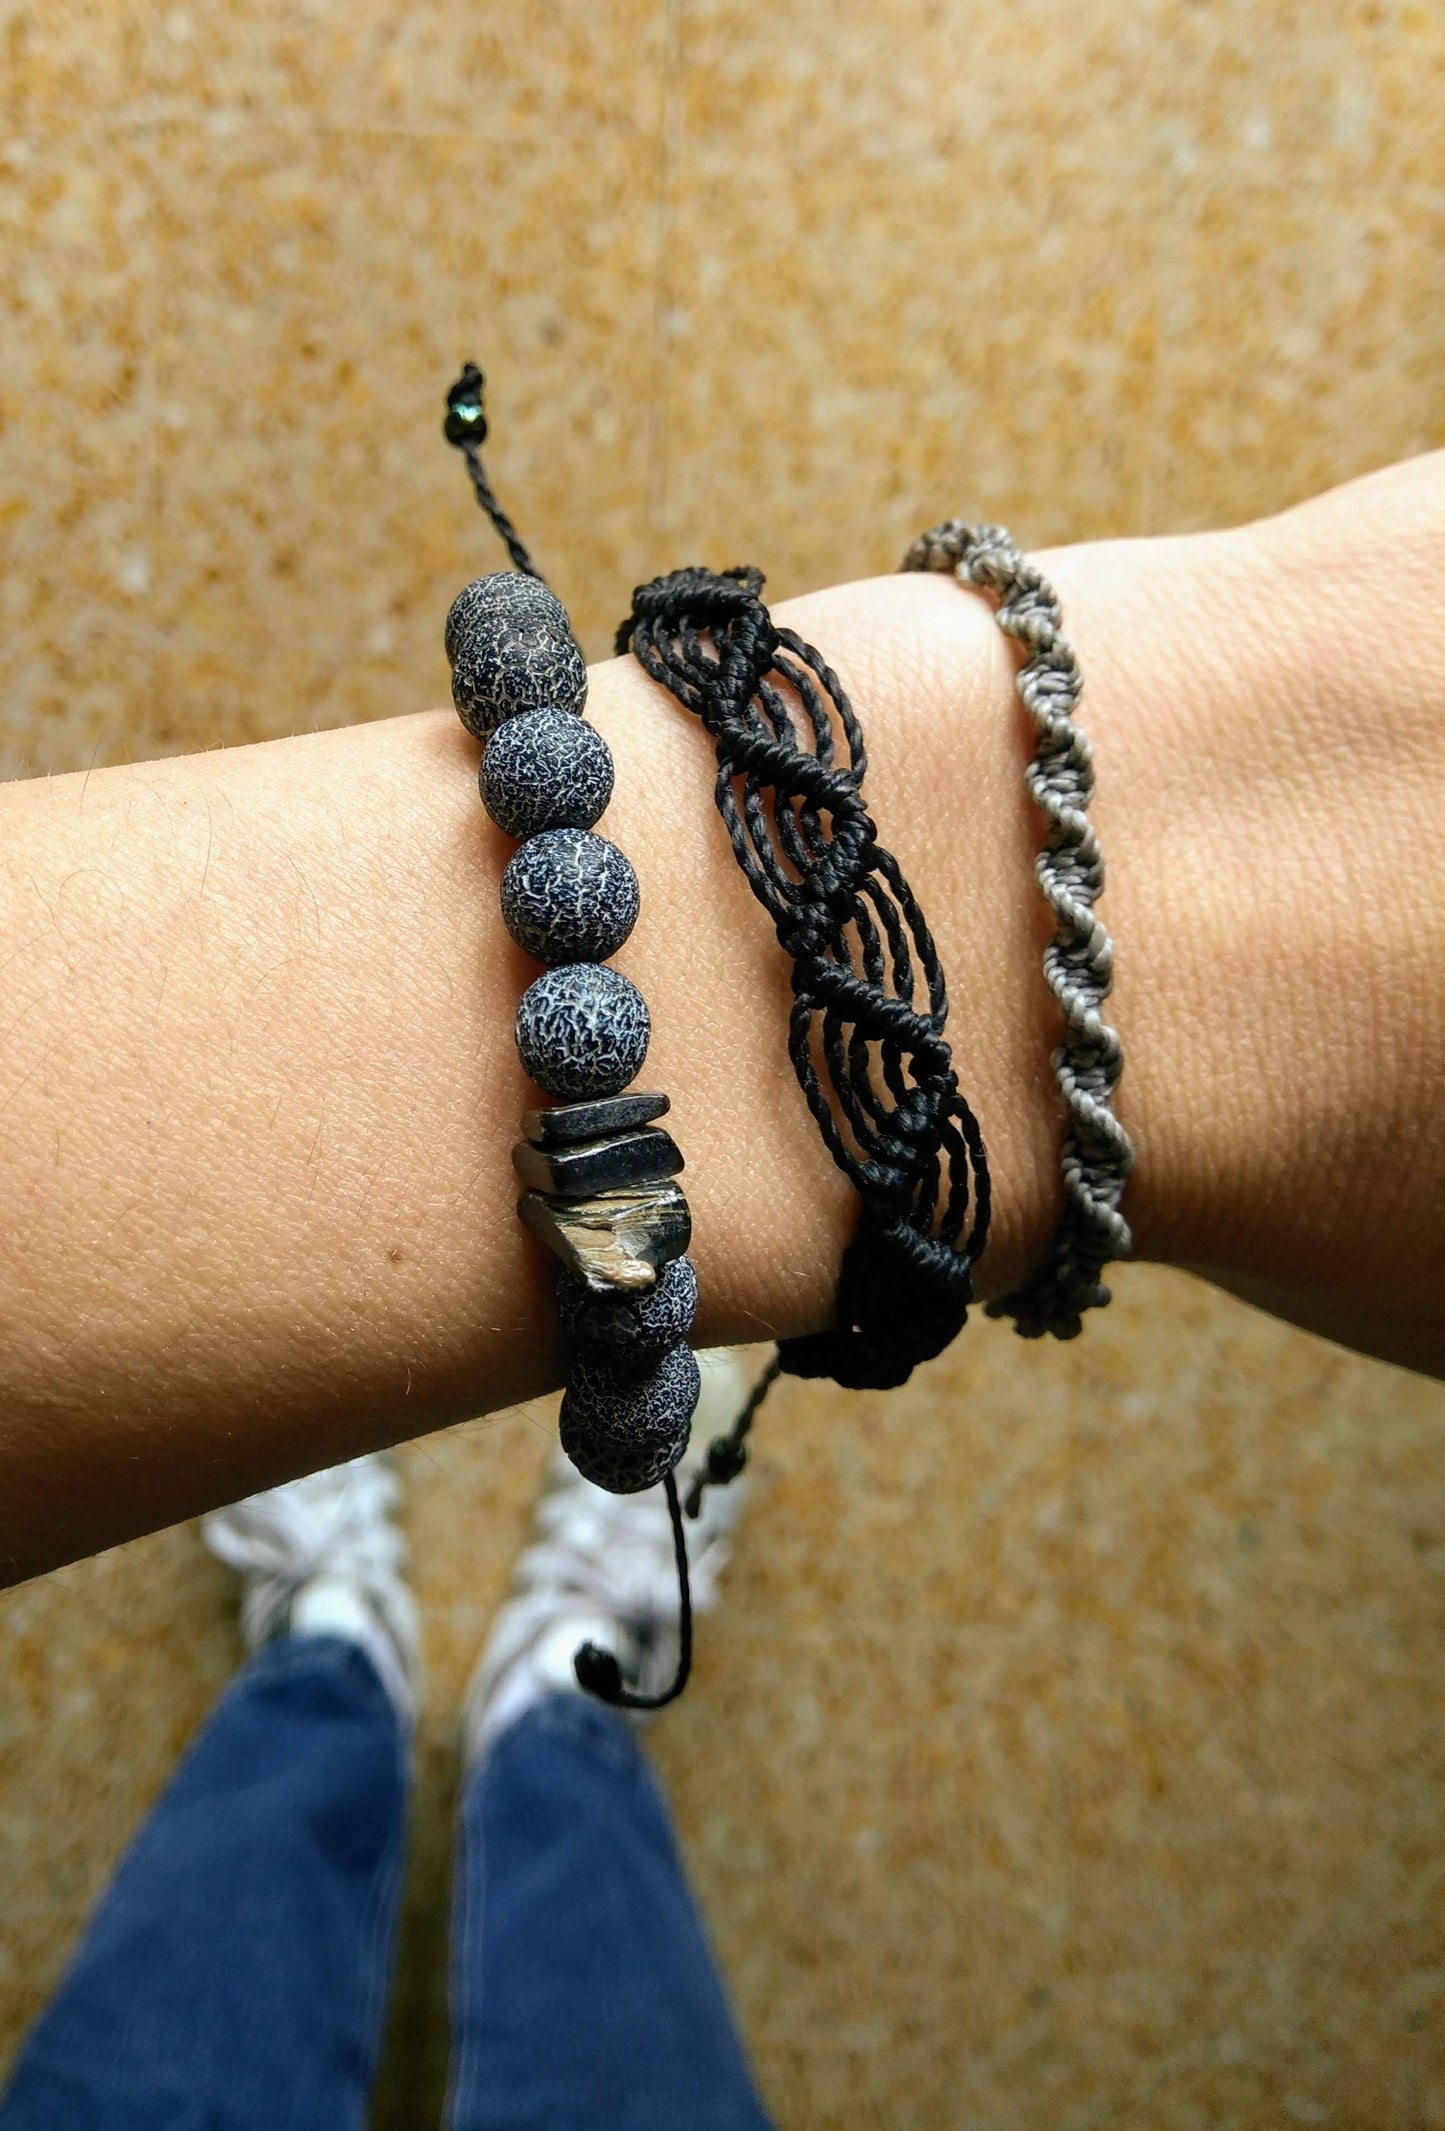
620, 1468
582, 1032
546, 769
626, 1430
511, 650
625, 1329
569, 896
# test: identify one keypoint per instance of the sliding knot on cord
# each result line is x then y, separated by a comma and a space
869, 999
465, 426
905, 1297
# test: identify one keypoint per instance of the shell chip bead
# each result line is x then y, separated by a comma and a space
616, 1243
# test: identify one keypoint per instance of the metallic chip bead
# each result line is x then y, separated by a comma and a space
616, 1243
639, 1326
511, 650
625, 1160
546, 769
582, 1031
569, 896
569, 1124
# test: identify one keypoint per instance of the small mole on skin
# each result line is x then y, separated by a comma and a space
396, 1254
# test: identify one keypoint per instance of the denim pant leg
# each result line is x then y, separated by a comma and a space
234, 1976
584, 1993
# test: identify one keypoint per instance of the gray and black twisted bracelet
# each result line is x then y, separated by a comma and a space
1079, 961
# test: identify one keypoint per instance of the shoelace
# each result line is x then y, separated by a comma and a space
337, 1523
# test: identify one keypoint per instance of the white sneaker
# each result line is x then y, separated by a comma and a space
601, 1569
323, 1556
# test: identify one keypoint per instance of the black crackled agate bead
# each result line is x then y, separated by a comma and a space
623, 1430
569, 896
626, 1328
511, 650
621, 1468
546, 769
582, 1031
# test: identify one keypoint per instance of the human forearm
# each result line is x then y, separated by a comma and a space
259, 1089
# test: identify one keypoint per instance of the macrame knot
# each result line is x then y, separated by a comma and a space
725, 1460
902, 1298
706, 597
869, 997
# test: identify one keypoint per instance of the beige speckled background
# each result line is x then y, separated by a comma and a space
1070, 1751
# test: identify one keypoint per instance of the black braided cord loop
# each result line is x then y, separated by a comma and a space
869, 998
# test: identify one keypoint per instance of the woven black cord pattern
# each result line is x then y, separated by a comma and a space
869, 998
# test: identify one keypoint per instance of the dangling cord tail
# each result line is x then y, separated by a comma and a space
597, 1669
466, 427
728, 1454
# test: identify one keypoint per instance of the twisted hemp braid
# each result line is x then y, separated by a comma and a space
869, 999
1079, 961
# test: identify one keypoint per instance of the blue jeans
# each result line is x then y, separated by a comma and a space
234, 1977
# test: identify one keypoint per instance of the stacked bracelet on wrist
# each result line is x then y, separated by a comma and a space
598, 1170
1079, 963
866, 1035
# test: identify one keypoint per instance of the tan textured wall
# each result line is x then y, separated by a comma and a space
1070, 1751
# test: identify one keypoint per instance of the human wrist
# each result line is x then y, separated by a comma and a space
1267, 733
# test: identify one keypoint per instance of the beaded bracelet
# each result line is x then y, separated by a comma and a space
599, 1171
1079, 963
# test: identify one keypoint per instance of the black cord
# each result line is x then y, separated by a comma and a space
466, 427
869, 997
598, 1671
728, 1454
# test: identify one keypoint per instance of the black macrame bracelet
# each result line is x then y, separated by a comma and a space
869, 999
600, 1172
